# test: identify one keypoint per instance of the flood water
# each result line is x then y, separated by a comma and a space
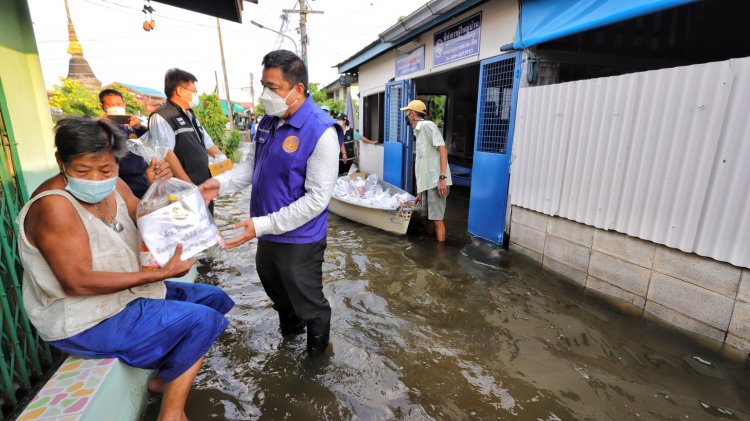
424, 332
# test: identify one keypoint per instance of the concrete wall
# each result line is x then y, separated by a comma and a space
374, 74
26, 106
695, 293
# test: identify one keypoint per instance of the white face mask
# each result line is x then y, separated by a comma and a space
273, 103
193, 99
116, 111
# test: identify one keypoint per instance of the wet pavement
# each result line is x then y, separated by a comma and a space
463, 331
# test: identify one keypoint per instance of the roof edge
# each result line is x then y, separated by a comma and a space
438, 12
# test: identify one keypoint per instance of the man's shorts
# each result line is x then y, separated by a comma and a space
435, 204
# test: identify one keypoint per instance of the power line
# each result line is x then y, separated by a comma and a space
127, 8
303, 12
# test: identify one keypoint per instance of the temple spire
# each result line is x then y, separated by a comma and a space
78, 68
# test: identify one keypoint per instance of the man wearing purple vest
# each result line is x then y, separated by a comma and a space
292, 167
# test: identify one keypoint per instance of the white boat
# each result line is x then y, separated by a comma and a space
387, 219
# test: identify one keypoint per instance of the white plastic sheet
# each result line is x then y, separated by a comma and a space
369, 192
186, 221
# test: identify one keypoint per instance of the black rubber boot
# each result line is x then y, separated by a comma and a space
318, 334
290, 324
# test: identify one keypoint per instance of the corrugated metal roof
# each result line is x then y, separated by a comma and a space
141, 89
657, 155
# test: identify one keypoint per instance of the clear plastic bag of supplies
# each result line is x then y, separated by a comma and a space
149, 146
173, 212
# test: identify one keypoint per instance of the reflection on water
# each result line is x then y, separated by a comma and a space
460, 331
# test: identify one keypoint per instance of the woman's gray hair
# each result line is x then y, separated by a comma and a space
76, 136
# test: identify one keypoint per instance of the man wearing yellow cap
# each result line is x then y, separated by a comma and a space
431, 166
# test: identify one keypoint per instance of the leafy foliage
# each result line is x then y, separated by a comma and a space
437, 109
74, 99
211, 116
320, 97
260, 109
132, 106
231, 148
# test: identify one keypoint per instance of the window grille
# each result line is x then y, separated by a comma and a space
395, 115
495, 106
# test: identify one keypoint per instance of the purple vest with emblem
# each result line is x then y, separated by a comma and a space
281, 155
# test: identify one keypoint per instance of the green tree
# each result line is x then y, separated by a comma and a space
260, 110
232, 145
211, 116
321, 98
132, 106
74, 99
437, 109
318, 95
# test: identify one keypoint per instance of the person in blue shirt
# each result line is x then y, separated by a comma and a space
134, 170
254, 127
292, 169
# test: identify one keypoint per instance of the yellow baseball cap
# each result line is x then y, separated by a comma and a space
416, 105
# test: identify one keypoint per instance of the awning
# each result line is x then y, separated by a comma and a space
225, 9
236, 108
544, 20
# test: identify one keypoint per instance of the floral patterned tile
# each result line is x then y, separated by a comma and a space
68, 392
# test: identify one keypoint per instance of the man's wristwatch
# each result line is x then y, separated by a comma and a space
442, 177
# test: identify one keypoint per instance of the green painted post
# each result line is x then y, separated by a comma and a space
19, 339
32, 339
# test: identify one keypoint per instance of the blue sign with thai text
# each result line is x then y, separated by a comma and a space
410, 62
458, 41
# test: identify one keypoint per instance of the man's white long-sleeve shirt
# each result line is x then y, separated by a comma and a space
320, 178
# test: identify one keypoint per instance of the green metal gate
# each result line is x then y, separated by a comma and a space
24, 357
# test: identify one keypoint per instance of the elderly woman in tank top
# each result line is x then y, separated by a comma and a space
83, 289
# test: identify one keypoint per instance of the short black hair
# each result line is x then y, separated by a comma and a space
174, 78
293, 69
108, 92
76, 136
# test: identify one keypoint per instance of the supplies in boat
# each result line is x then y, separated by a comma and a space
355, 189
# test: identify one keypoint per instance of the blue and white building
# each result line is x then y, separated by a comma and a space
605, 139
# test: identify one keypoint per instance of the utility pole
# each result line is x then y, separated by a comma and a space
252, 90
226, 81
303, 28
303, 12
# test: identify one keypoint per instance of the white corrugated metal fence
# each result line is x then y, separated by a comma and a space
662, 155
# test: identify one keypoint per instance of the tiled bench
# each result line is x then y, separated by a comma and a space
93, 390
101, 389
